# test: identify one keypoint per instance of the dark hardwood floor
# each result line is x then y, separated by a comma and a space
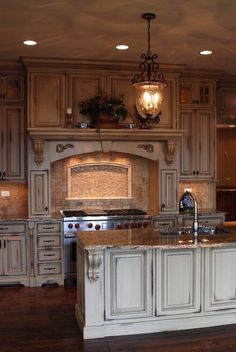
43, 320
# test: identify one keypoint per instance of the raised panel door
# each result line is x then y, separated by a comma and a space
178, 281
220, 279
187, 156
14, 255
128, 291
169, 197
12, 89
82, 87
47, 100
39, 197
197, 94
13, 153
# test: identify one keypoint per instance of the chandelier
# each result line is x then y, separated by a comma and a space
149, 83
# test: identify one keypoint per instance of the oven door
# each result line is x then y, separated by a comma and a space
69, 256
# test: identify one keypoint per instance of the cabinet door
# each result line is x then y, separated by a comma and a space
220, 278
47, 100
1, 255
11, 89
39, 198
82, 87
178, 281
187, 156
197, 94
205, 143
13, 143
14, 255
226, 105
169, 197
128, 284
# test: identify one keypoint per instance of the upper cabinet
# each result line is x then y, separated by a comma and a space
11, 88
53, 92
226, 104
46, 100
197, 94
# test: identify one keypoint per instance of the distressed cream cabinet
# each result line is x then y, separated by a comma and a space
168, 192
48, 253
12, 151
11, 88
214, 219
13, 253
220, 279
198, 144
39, 193
226, 103
179, 280
128, 284
197, 94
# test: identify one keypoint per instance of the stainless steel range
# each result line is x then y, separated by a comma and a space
80, 220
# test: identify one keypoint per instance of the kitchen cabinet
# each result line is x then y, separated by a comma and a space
160, 222
220, 279
39, 193
12, 152
168, 191
128, 291
178, 281
226, 104
226, 202
198, 144
214, 219
11, 88
46, 100
48, 254
197, 94
13, 253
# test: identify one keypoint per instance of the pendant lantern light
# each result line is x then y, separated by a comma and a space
149, 83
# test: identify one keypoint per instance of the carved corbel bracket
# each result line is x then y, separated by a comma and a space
38, 150
171, 147
94, 263
147, 147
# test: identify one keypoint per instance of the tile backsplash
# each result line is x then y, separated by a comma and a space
16, 202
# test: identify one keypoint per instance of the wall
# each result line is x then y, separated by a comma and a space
204, 192
17, 202
226, 157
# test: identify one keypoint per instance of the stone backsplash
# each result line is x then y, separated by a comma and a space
17, 202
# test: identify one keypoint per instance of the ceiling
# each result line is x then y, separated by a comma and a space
90, 29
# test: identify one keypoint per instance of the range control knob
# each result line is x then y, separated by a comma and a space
119, 226
126, 225
145, 224
97, 227
90, 225
70, 226
139, 224
133, 225
77, 225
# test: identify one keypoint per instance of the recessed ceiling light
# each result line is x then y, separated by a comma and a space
206, 52
29, 42
122, 47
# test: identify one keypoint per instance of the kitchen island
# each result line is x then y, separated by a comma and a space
141, 281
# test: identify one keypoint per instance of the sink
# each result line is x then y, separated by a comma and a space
186, 230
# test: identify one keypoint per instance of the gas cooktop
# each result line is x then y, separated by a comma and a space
109, 212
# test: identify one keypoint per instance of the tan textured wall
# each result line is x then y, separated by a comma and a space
204, 191
139, 183
17, 202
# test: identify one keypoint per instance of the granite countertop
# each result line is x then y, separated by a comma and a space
151, 238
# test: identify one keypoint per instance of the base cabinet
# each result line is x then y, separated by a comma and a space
178, 278
128, 289
13, 253
220, 279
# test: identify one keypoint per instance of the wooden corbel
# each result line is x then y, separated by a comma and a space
94, 263
171, 147
38, 151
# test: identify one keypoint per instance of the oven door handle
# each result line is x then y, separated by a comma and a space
70, 236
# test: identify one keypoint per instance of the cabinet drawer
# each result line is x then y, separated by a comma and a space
49, 268
49, 227
12, 228
49, 255
163, 222
48, 241
204, 220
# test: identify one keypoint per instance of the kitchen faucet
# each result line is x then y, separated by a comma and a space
195, 220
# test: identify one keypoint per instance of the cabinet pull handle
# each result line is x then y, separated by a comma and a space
49, 255
4, 229
163, 206
48, 241
49, 268
46, 208
3, 175
48, 227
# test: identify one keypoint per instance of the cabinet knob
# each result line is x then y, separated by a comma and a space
3, 96
4, 174
163, 206
46, 208
197, 172
193, 101
194, 172
197, 101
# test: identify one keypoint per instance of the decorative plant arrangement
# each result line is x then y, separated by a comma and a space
104, 110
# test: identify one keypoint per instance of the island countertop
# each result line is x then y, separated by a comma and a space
151, 238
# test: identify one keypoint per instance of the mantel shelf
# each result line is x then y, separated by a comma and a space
40, 135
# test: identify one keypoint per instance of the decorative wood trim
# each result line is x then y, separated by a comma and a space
147, 147
60, 147
94, 263
38, 151
171, 148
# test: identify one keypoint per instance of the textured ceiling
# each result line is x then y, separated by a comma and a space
90, 29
